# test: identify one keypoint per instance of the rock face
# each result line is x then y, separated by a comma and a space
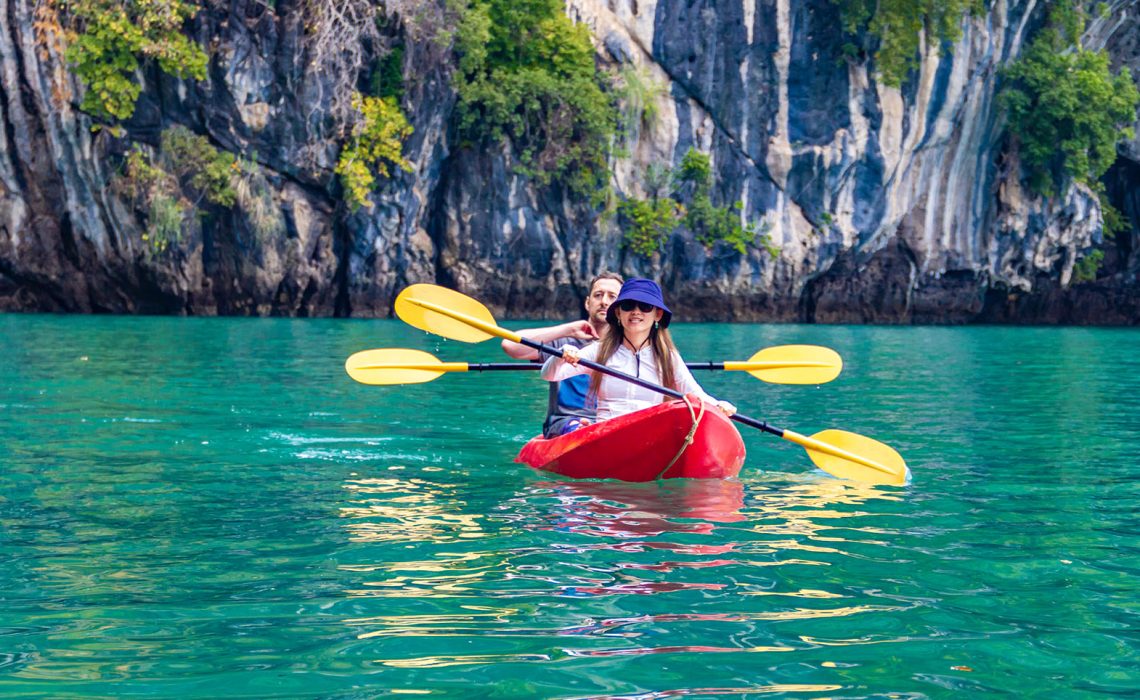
887, 205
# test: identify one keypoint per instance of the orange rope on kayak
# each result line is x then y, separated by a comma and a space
696, 416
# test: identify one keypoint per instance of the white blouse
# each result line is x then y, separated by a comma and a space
617, 397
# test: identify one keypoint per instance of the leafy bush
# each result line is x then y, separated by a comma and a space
651, 222
388, 78
688, 201
638, 93
107, 39
207, 172
1066, 109
377, 141
898, 25
712, 224
1086, 268
169, 185
527, 73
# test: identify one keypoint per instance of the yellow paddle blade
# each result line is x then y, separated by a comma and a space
853, 456
792, 364
397, 366
425, 306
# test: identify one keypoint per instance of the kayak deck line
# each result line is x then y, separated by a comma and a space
696, 416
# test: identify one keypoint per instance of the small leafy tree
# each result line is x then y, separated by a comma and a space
377, 142
169, 185
898, 27
1066, 109
108, 38
683, 196
527, 73
651, 223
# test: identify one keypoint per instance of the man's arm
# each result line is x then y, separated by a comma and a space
574, 329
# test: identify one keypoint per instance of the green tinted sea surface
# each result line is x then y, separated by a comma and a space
212, 508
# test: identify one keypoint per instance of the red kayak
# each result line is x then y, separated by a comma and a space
640, 445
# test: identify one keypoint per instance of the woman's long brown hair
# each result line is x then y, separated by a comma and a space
659, 340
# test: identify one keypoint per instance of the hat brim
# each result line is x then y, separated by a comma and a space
611, 313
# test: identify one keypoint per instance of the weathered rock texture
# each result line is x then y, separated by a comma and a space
888, 206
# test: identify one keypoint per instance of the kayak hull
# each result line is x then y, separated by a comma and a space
639, 446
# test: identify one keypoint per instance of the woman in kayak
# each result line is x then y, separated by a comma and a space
637, 343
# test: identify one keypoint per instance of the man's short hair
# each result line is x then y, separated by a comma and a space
604, 276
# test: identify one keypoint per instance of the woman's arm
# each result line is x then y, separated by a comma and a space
558, 368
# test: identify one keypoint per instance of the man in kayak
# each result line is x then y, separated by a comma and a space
566, 408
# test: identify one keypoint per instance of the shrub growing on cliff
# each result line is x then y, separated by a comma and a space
898, 28
107, 38
709, 223
639, 93
1085, 269
526, 72
168, 186
202, 170
377, 142
1066, 110
649, 223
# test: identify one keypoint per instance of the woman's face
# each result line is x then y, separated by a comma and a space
637, 320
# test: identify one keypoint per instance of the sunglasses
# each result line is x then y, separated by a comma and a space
628, 305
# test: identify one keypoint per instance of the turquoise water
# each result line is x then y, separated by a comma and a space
210, 507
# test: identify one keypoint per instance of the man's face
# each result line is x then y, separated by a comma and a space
602, 294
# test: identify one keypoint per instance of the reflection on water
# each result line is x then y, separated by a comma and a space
699, 555
625, 510
398, 510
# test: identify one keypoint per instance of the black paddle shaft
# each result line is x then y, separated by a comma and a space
536, 364
492, 366
648, 385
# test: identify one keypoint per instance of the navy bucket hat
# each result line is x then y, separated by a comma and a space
640, 289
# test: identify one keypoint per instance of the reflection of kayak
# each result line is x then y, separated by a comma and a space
639, 446
647, 509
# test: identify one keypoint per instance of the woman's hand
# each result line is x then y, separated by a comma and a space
570, 354
727, 408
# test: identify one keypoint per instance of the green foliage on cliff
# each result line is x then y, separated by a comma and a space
898, 28
638, 93
377, 142
712, 224
169, 186
526, 72
108, 38
203, 170
1085, 269
388, 78
650, 222
1066, 109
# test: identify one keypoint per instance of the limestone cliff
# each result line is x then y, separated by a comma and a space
887, 205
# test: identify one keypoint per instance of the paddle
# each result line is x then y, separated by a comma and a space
783, 364
454, 315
